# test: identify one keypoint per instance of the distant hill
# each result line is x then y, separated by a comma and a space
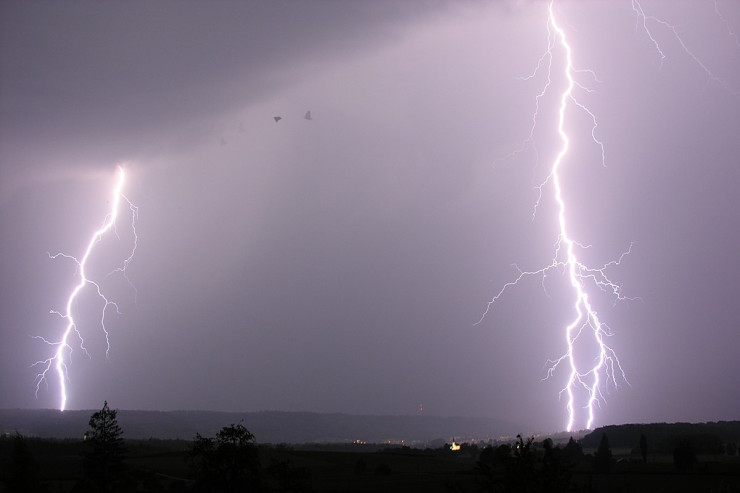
663, 437
267, 426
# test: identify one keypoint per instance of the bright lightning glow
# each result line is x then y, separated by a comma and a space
59, 360
603, 366
586, 316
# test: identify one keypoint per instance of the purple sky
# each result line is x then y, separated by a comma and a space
339, 264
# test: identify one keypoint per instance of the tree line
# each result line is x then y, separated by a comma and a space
228, 462
713, 438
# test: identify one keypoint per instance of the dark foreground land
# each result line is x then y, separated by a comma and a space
516, 465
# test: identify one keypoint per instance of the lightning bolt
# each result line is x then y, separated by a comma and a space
585, 326
59, 360
643, 19
728, 27
585, 329
586, 320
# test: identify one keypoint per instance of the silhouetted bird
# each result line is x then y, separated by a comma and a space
308, 115
277, 118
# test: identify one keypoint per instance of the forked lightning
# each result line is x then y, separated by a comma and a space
58, 362
604, 365
590, 370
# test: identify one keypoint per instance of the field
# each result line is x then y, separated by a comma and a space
163, 465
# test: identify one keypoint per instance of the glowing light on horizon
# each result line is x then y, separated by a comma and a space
58, 362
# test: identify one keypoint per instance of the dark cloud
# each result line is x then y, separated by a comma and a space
114, 79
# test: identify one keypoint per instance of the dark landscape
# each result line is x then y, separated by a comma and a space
49, 451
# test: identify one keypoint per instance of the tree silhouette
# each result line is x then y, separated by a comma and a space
572, 453
603, 455
227, 463
519, 471
555, 474
643, 448
103, 463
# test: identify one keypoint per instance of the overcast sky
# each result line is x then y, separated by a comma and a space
340, 264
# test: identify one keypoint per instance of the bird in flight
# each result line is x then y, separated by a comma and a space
277, 118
